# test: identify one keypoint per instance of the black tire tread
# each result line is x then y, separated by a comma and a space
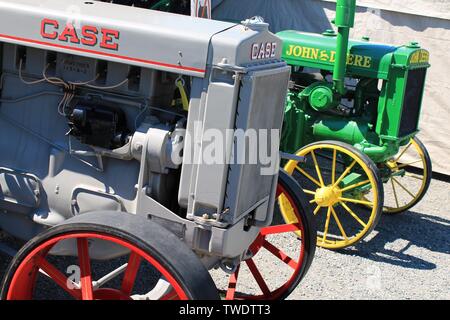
309, 224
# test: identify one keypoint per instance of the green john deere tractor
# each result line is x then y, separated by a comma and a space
352, 116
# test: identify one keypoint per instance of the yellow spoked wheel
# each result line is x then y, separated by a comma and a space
344, 188
410, 177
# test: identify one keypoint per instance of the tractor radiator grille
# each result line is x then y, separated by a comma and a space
411, 105
261, 100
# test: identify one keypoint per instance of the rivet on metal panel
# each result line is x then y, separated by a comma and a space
138, 147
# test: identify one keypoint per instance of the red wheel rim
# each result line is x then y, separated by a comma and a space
261, 242
24, 279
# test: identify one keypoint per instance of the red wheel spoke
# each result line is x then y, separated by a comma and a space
258, 277
57, 276
172, 295
232, 285
85, 269
129, 278
283, 228
280, 254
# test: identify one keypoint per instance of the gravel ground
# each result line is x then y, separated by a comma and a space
406, 257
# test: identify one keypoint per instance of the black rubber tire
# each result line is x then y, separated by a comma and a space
429, 167
309, 224
150, 237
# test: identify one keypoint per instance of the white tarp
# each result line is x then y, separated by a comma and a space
391, 21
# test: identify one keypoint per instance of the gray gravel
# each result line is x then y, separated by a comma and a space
406, 257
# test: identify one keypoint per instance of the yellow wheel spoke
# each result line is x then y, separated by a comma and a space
312, 201
344, 174
411, 175
395, 193
355, 185
306, 174
316, 210
327, 224
403, 187
333, 169
353, 214
408, 164
403, 152
316, 164
339, 224
309, 192
367, 203
365, 199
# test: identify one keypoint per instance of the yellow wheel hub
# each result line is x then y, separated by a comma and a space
327, 196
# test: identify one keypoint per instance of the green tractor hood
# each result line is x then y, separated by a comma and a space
364, 59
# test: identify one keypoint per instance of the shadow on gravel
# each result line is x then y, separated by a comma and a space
398, 233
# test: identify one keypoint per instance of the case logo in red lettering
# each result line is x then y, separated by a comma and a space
89, 35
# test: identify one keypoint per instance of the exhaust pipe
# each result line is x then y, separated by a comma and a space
344, 21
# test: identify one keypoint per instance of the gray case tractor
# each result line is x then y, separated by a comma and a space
112, 176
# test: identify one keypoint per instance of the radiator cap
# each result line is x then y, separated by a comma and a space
414, 45
256, 23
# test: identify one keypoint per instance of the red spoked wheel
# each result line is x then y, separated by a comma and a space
281, 254
115, 256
